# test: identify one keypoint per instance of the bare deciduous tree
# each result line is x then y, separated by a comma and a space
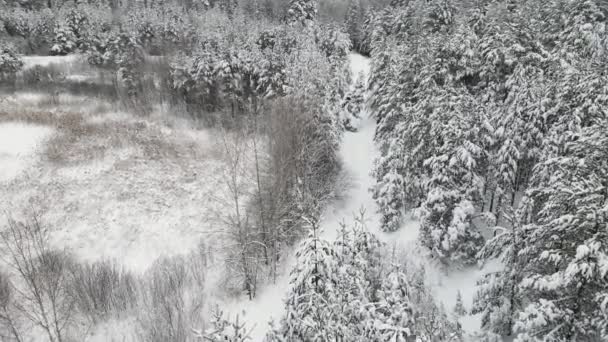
43, 275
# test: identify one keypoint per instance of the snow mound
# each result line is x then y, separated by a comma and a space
359, 64
19, 144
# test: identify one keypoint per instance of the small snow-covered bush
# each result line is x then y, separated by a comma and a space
64, 41
40, 75
103, 289
171, 300
9, 63
225, 329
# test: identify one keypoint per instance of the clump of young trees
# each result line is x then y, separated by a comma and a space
347, 290
491, 114
10, 63
291, 136
45, 293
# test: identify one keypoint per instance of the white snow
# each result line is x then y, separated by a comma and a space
32, 61
19, 144
358, 64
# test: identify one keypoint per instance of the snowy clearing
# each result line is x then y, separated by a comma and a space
128, 189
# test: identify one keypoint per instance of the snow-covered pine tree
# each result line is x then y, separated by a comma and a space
367, 29
577, 29
431, 320
401, 109
440, 15
459, 309
308, 315
522, 127
497, 298
394, 314
225, 329
507, 159
358, 273
302, 12
353, 104
566, 253
389, 189
354, 23
455, 183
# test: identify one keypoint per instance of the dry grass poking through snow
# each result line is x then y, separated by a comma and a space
79, 140
115, 185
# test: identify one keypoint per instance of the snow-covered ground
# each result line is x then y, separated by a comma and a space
19, 145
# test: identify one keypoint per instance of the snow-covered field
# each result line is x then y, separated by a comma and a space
112, 186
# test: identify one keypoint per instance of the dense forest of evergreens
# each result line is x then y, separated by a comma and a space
492, 130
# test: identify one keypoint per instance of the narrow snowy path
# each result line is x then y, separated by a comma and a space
358, 151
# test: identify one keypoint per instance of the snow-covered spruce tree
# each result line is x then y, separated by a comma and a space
353, 104
302, 12
366, 31
497, 298
566, 249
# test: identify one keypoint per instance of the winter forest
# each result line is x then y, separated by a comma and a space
304, 170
